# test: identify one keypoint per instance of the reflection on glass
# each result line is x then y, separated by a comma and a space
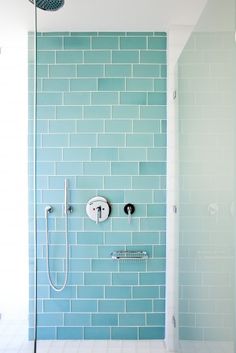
207, 185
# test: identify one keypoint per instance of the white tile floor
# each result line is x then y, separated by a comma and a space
13, 339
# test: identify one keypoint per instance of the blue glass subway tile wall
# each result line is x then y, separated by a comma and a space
102, 125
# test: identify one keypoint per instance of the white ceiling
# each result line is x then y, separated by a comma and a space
103, 15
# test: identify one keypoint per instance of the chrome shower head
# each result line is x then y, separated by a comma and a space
49, 5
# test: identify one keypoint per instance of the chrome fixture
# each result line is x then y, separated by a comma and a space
129, 255
129, 210
49, 5
98, 209
67, 207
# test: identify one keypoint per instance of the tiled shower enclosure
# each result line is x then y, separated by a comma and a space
101, 123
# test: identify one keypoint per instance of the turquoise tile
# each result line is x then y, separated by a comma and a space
83, 140
90, 182
89, 238
160, 34
152, 278
164, 71
97, 278
132, 320
145, 182
157, 154
83, 34
49, 98
56, 306
127, 333
138, 306
133, 42
76, 154
75, 224
146, 292
111, 306
105, 43
124, 278
96, 168
139, 84
52, 34
125, 56
74, 278
104, 154
153, 224
139, 34
147, 70
49, 319
72, 319
74, 98
76, 42
49, 154
116, 70
111, 84
45, 168
133, 98
97, 333
55, 140
118, 126
104, 265
83, 84
103, 98
69, 112
145, 238
42, 71
153, 56
121, 224
90, 70
113, 195
68, 292
156, 98
164, 126
83, 306
45, 112
69, 168
46, 333
97, 56
157, 43
146, 126
112, 140
55, 85
125, 112
117, 182
113, 34
160, 140
160, 85
60, 126
106, 250
49, 43
117, 292
46, 57
159, 305
69, 333
69, 56
87, 126
104, 319
149, 333
90, 292
97, 112
138, 196
134, 154
124, 168
62, 71
156, 210
92, 226
118, 238
152, 168
139, 140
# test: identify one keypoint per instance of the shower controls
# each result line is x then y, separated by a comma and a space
67, 207
98, 209
129, 210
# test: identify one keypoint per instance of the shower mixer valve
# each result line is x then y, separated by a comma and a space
98, 209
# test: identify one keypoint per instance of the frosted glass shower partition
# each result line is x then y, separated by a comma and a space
207, 183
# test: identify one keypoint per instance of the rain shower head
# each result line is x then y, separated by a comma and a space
49, 5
